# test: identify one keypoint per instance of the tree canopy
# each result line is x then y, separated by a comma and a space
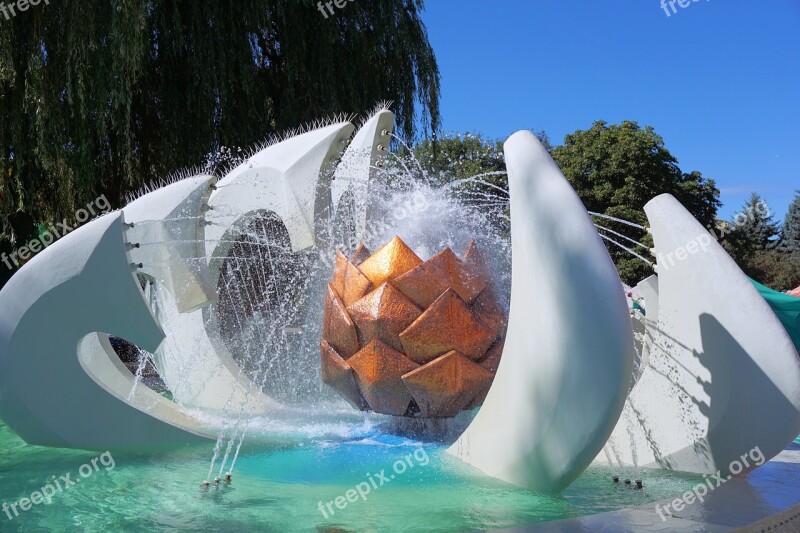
464, 156
101, 96
754, 229
617, 169
760, 248
790, 232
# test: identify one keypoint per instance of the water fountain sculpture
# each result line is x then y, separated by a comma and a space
719, 374
153, 272
60, 382
169, 234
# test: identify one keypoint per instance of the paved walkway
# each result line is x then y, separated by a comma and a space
767, 499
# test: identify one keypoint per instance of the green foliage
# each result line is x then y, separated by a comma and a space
754, 227
101, 96
626, 166
752, 244
455, 157
779, 271
617, 169
790, 232
462, 157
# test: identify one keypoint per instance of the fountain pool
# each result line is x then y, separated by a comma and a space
278, 488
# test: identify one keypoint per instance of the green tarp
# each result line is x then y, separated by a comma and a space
786, 307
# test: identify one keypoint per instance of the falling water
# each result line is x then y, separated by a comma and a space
217, 447
269, 308
137, 377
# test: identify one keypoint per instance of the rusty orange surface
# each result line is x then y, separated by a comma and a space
448, 324
339, 269
338, 374
402, 312
429, 280
356, 284
492, 358
383, 314
361, 253
379, 371
487, 308
447, 384
337, 327
392, 260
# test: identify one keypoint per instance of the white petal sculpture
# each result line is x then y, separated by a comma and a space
61, 384
568, 355
169, 226
722, 376
169, 240
169, 229
291, 179
642, 325
350, 187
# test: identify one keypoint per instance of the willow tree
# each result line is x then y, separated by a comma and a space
101, 96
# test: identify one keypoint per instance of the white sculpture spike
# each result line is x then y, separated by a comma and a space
52, 396
291, 179
722, 377
350, 187
568, 355
169, 227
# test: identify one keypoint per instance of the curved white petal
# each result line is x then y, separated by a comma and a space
358, 166
49, 394
169, 228
568, 355
722, 378
290, 179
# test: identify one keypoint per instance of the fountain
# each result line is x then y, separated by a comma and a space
223, 283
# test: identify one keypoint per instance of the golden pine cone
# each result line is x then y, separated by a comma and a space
411, 338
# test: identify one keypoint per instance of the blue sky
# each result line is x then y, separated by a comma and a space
719, 80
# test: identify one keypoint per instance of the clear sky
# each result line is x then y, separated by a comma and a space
719, 80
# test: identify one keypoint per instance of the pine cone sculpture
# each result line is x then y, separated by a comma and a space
411, 338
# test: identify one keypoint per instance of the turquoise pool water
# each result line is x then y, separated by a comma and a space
279, 488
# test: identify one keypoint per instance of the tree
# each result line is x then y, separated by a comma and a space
617, 169
454, 157
754, 245
101, 96
790, 232
754, 230
463, 157
614, 169
776, 270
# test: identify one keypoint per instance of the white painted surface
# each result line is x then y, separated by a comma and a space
169, 226
291, 179
723, 376
569, 351
52, 308
357, 168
